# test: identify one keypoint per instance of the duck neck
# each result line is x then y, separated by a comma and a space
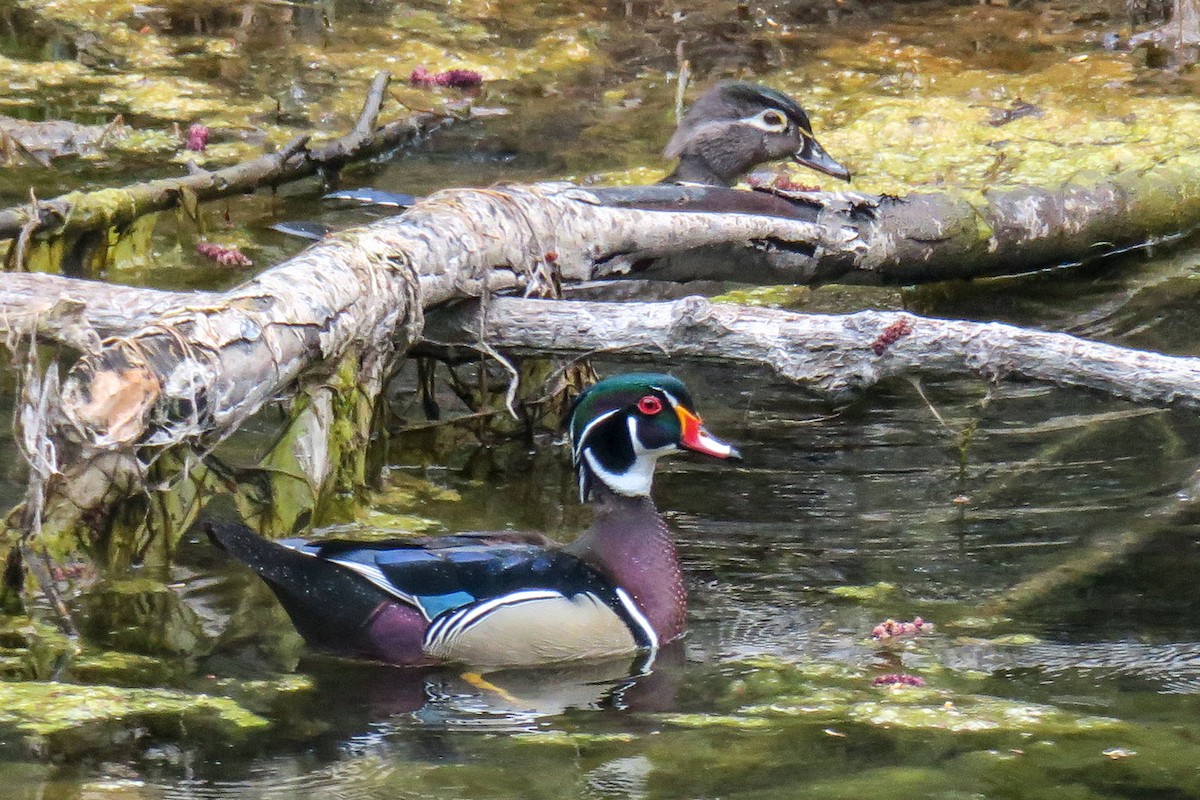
630, 544
695, 169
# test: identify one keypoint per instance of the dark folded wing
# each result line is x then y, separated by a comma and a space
443, 575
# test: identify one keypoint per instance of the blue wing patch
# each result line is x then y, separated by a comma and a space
436, 604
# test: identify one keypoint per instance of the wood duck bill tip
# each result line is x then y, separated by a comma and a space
813, 156
696, 438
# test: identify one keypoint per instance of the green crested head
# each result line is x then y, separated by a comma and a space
622, 425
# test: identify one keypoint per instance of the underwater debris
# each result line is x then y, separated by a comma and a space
225, 255
890, 628
1019, 108
453, 78
197, 137
898, 679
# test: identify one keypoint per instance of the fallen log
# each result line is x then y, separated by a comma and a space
222, 356
831, 356
161, 370
923, 238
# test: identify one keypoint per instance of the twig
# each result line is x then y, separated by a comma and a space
372, 105
74, 212
685, 72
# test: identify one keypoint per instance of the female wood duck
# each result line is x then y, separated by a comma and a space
502, 599
734, 127
728, 131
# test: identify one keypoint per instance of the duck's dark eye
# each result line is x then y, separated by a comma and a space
650, 405
774, 119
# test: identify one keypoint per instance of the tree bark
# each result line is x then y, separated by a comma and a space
921, 238
207, 361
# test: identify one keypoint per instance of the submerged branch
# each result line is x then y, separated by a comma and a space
1099, 552
77, 212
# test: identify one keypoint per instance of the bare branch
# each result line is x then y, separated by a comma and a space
833, 356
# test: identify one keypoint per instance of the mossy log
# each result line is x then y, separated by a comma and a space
924, 238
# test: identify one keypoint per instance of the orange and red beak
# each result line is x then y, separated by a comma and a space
696, 438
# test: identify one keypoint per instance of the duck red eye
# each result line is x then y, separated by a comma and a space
650, 405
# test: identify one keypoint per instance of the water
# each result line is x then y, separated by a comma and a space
839, 519
825, 500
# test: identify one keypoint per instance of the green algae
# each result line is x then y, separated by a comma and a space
405, 491
120, 668
870, 593
766, 296
179, 98
838, 694
26, 80
31, 649
832, 299
68, 715
262, 696
575, 740
906, 708
375, 524
731, 721
930, 127
1015, 640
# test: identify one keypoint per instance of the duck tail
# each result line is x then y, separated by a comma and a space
326, 602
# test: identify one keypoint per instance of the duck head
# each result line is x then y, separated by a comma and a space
735, 126
622, 425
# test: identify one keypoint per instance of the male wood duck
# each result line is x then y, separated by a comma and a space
730, 129
503, 599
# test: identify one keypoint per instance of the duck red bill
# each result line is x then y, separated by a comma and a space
696, 438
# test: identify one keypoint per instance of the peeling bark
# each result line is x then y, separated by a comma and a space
203, 362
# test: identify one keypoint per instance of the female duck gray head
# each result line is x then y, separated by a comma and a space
734, 127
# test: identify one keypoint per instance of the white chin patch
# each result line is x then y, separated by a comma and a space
635, 482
